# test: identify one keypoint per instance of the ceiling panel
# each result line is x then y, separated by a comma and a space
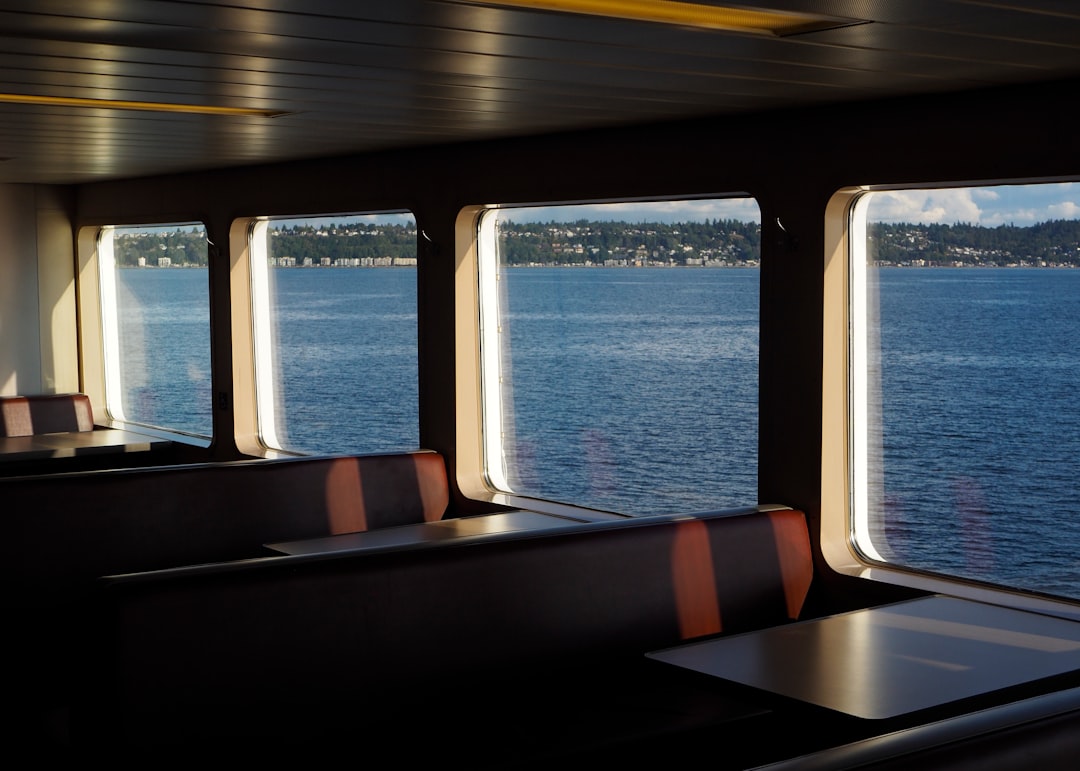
369, 76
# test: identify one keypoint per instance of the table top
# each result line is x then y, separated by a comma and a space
73, 443
893, 659
425, 532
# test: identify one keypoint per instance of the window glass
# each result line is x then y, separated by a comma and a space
966, 420
156, 324
335, 331
620, 353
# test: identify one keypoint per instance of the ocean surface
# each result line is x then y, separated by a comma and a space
632, 390
980, 369
635, 390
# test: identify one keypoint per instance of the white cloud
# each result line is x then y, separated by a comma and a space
1066, 210
927, 207
987, 206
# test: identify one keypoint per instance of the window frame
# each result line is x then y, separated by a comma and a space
479, 402
99, 330
255, 419
844, 405
472, 477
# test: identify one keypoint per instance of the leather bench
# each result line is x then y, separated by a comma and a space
315, 648
65, 530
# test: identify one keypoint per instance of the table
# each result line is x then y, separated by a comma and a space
892, 660
424, 532
77, 443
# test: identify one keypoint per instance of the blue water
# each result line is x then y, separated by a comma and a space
635, 390
981, 423
347, 374
164, 329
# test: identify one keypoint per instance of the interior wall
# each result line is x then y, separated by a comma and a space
57, 307
20, 341
38, 352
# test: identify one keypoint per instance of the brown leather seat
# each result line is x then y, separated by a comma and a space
45, 414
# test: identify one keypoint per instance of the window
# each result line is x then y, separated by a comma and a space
335, 333
965, 419
155, 326
619, 349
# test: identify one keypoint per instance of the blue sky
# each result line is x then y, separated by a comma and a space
988, 206
652, 211
745, 209
389, 218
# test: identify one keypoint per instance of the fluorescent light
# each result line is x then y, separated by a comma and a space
120, 104
688, 14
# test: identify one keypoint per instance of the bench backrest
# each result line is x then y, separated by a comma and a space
64, 530
370, 625
45, 414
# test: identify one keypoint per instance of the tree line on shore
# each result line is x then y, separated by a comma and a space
727, 242
1055, 242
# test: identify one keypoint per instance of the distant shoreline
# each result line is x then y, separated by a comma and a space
754, 266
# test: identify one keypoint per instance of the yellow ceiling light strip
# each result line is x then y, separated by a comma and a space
120, 104
688, 14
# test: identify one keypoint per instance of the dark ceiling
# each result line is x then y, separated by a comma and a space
356, 76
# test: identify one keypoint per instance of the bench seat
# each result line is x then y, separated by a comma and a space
286, 649
65, 530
